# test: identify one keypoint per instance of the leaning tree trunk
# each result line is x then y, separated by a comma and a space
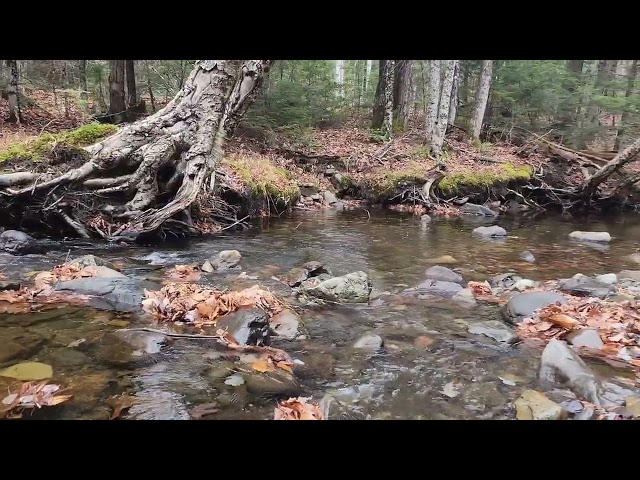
401, 92
453, 107
15, 114
387, 121
184, 140
434, 100
443, 111
117, 104
481, 99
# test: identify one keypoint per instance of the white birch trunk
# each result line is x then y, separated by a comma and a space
339, 76
12, 92
443, 111
434, 99
453, 108
367, 78
387, 122
481, 99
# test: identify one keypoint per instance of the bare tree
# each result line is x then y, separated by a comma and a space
132, 95
339, 76
82, 65
379, 99
632, 73
453, 107
481, 98
13, 94
387, 122
434, 100
117, 104
443, 110
402, 92
185, 139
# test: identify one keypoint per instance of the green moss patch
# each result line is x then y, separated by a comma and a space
386, 182
41, 148
466, 180
264, 179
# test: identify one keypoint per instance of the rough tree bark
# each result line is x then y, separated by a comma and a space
387, 121
152, 99
401, 92
631, 80
15, 114
434, 100
184, 139
368, 75
453, 107
339, 77
443, 110
481, 99
117, 104
626, 156
83, 79
378, 101
132, 95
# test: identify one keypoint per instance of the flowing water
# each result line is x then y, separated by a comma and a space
409, 380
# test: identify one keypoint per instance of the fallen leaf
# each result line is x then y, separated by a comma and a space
28, 371
297, 409
561, 319
262, 366
423, 341
285, 366
119, 404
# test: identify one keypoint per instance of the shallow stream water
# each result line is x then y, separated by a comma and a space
407, 381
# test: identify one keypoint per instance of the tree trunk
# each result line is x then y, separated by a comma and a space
132, 95
434, 100
83, 80
15, 114
378, 102
631, 80
401, 92
482, 97
367, 77
339, 76
387, 122
443, 110
184, 140
149, 88
628, 155
453, 107
117, 104
576, 66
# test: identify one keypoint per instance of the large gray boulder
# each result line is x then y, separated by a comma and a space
113, 293
19, 243
581, 285
224, 260
492, 231
248, 326
524, 304
560, 364
590, 236
350, 288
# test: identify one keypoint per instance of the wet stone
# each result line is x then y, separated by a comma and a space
534, 405
438, 287
296, 276
581, 285
494, 329
585, 338
248, 326
527, 256
591, 236
438, 272
369, 341
608, 278
473, 209
524, 304
285, 324
225, 260
492, 231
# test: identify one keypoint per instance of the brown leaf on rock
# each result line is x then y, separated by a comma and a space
297, 409
560, 319
119, 404
32, 395
262, 366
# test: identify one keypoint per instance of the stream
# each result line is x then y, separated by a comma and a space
427, 345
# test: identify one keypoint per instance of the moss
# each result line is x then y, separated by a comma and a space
385, 182
264, 179
39, 148
458, 181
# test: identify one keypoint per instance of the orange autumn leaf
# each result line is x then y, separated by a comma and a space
262, 366
285, 366
297, 409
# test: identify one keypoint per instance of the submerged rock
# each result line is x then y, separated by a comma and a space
115, 293
494, 329
296, 276
524, 304
581, 285
442, 273
225, 259
492, 231
534, 405
249, 326
369, 341
315, 268
562, 365
439, 287
527, 256
591, 236
465, 296
275, 382
19, 243
585, 338
473, 209
505, 280
146, 342
285, 324
350, 288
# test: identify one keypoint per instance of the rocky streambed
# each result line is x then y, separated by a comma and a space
384, 316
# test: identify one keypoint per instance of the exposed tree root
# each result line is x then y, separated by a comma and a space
152, 170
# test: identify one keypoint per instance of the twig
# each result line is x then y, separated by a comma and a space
235, 223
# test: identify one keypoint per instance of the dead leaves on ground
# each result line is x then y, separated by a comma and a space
297, 408
618, 325
192, 303
32, 395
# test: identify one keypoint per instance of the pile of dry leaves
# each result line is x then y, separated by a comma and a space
32, 395
297, 409
27, 299
617, 323
192, 303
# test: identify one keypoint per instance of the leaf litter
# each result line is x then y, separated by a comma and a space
298, 408
32, 395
